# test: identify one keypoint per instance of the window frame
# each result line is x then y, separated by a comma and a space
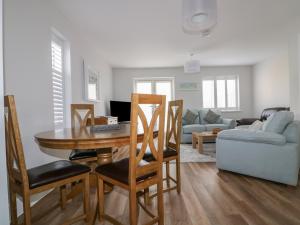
237, 92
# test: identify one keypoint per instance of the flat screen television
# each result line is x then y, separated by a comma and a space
121, 110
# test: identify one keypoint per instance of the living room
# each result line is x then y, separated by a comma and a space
228, 76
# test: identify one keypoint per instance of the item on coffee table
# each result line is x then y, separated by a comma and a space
216, 130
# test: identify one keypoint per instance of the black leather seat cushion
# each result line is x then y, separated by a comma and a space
77, 154
55, 171
120, 170
169, 152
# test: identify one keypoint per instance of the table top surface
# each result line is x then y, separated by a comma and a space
85, 138
85, 134
205, 133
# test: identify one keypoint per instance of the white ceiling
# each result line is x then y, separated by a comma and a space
148, 33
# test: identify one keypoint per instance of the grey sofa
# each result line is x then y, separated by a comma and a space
201, 125
267, 155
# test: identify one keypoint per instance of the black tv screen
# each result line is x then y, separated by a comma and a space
121, 110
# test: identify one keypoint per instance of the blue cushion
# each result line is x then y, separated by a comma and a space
277, 122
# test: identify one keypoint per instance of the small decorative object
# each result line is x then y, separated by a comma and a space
216, 130
92, 83
189, 86
111, 120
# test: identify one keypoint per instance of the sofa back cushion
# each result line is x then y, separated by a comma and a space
211, 117
202, 114
278, 121
190, 117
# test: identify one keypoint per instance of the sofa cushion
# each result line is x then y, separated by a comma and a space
278, 121
190, 117
211, 117
194, 111
292, 132
210, 127
202, 114
257, 125
188, 129
252, 136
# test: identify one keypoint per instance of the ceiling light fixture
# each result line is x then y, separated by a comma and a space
199, 16
192, 65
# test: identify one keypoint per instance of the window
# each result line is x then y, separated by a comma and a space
159, 86
221, 92
58, 81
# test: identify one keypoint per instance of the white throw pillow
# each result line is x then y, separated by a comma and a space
257, 125
277, 122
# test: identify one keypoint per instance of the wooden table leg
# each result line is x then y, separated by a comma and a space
200, 144
194, 141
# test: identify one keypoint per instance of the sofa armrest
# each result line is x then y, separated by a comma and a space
252, 136
230, 122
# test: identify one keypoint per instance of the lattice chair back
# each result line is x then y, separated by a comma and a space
174, 124
80, 114
154, 128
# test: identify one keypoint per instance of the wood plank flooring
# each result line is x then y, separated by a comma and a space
208, 197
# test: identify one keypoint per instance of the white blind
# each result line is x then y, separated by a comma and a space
58, 83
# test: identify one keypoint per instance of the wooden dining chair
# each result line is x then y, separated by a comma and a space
26, 182
172, 149
83, 115
133, 173
80, 114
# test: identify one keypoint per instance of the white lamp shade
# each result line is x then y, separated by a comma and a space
192, 66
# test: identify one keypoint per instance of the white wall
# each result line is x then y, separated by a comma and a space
28, 26
123, 84
271, 81
294, 66
4, 208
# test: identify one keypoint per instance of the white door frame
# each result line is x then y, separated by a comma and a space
4, 207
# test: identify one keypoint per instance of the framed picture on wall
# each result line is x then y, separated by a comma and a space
92, 83
189, 86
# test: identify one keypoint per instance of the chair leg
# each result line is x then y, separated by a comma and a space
13, 207
26, 208
100, 198
147, 199
133, 207
168, 174
160, 203
178, 178
86, 196
63, 196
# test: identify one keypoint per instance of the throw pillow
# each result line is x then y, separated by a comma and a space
190, 117
277, 122
257, 125
211, 117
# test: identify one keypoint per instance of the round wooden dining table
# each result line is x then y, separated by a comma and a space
85, 139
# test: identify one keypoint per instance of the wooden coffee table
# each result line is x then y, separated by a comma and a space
199, 137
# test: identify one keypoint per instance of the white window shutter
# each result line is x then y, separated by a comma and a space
58, 85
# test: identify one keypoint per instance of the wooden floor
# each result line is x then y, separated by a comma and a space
208, 197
